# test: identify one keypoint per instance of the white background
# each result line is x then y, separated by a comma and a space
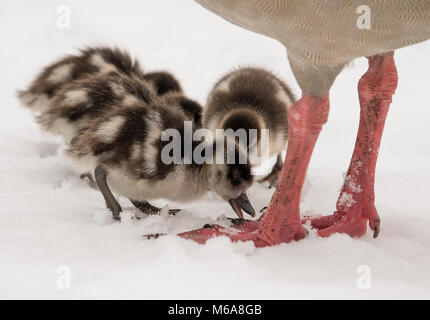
49, 217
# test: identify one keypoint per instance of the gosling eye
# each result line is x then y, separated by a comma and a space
235, 182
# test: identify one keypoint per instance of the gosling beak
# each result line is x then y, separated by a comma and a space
242, 202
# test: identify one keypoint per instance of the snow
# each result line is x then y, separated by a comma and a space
346, 200
51, 221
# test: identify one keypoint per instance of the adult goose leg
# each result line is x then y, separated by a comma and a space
355, 206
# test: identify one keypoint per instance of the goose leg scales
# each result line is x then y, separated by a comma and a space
355, 206
100, 174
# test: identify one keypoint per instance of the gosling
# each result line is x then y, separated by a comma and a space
126, 151
90, 61
113, 123
252, 98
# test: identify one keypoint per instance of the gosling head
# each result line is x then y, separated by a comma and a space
232, 177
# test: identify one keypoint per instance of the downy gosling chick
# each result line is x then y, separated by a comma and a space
113, 124
169, 88
98, 61
90, 61
82, 100
252, 98
125, 150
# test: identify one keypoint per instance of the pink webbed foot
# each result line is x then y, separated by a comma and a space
243, 231
352, 221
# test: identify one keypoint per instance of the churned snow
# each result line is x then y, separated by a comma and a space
346, 200
53, 225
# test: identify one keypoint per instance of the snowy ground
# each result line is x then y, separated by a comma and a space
50, 218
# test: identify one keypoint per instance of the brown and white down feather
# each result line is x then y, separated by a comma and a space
79, 101
169, 88
90, 61
126, 141
40, 97
115, 118
192, 109
251, 98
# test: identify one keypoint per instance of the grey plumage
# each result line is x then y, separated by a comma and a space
322, 36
